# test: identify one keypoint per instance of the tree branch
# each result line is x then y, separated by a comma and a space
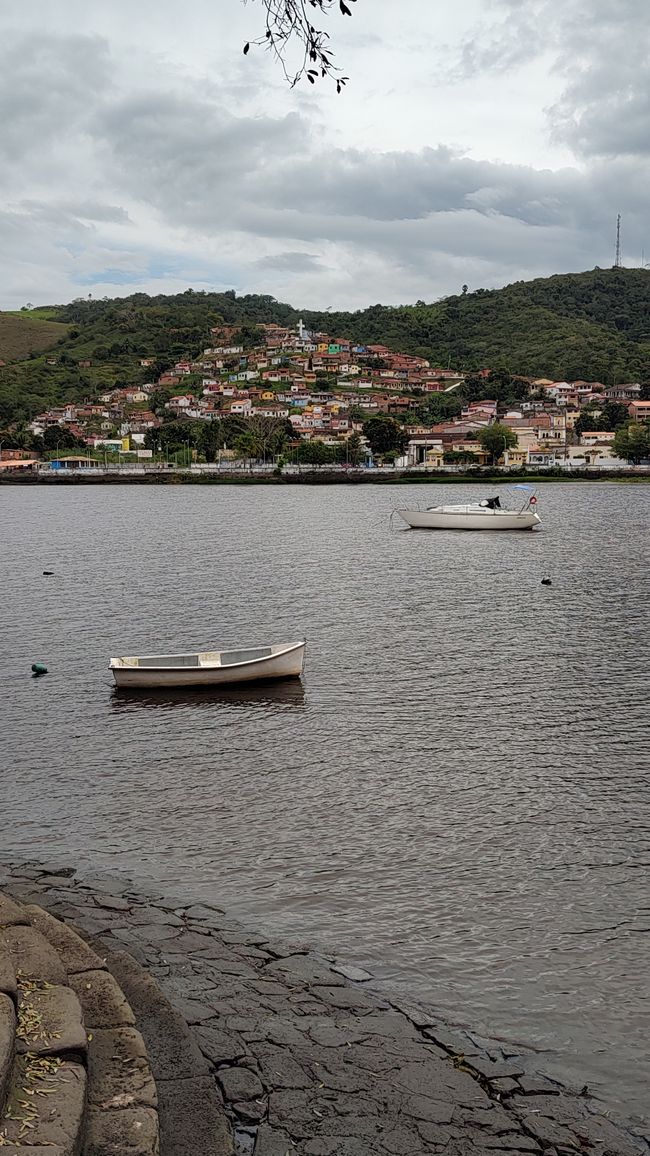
288, 23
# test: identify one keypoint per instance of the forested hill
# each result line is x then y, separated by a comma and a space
593, 325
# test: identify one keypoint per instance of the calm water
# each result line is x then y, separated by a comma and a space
459, 797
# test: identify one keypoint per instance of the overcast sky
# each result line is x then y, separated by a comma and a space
476, 143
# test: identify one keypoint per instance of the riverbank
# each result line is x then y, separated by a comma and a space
293, 1052
318, 477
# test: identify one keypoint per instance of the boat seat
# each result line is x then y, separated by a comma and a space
171, 660
229, 657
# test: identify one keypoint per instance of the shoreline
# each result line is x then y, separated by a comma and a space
320, 477
309, 1058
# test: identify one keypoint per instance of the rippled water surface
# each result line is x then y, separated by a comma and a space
459, 794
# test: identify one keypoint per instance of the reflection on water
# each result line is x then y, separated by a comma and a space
460, 799
279, 693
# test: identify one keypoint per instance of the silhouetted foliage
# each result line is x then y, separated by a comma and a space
288, 24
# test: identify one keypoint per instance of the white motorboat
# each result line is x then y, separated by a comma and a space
210, 667
488, 514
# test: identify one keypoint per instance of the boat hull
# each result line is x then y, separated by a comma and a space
287, 664
489, 520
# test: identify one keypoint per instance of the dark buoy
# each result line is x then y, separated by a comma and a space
546, 581
48, 572
38, 668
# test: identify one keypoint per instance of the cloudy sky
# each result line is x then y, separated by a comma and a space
476, 143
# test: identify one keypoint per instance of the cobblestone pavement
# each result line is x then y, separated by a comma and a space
307, 1059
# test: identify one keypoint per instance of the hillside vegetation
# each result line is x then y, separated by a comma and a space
593, 326
25, 333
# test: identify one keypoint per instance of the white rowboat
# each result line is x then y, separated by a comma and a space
210, 667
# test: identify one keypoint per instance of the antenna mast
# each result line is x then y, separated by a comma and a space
617, 262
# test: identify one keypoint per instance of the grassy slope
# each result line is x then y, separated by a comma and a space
25, 333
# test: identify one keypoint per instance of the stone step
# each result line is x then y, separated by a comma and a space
50, 1023
7, 1045
45, 1107
75, 1078
192, 1116
33, 958
9, 916
70, 947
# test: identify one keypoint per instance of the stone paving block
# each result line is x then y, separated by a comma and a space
210, 947
512, 1142
56, 879
439, 1081
72, 950
55, 1117
10, 912
192, 1119
390, 1026
203, 911
279, 1069
282, 948
505, 1085
549, 1132
193, 1011
7, 1040
112, 902
271, 1142
538, 1085
187, 984
50, 1022
141, 916
356, 974
241, 937
31, 955
457, 1043
131, 1131
433, 1111
400, 1141
239, 1084
147, 933
251, 1112
218, 1045
282, 1031
344, 997
103, 1002
173, 1053
118, 1067
309, 970
494, 1071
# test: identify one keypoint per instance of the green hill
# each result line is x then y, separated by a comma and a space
593, 325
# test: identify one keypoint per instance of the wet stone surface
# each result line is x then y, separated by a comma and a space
308, 1061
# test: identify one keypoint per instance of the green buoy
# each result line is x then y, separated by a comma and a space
39, 668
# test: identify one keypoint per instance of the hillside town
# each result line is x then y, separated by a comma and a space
318, 394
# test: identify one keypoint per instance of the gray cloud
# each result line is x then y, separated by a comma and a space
600, 50
290, 262
174, 180
47, 86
